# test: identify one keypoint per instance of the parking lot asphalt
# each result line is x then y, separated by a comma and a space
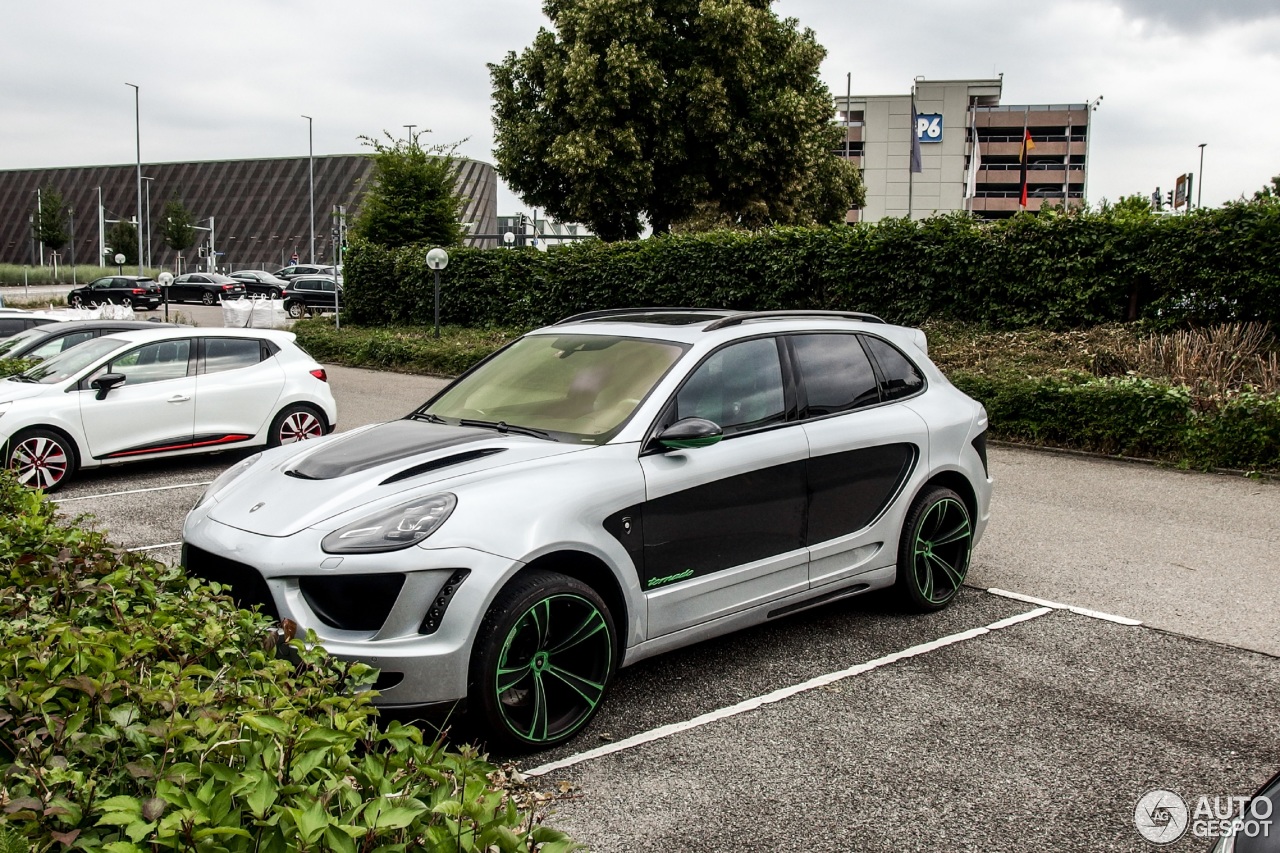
1038, 735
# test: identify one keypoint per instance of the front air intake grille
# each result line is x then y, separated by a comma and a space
247, 586
435, 613
352, 602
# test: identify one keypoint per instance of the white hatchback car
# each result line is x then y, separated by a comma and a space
160, 392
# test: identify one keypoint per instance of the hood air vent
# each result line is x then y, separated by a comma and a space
443, 462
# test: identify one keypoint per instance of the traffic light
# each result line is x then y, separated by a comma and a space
524, 223
200, 251
1168, 198
1157, 199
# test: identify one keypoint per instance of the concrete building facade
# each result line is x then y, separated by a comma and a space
969, 148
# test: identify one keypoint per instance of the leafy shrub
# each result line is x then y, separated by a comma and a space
1129, 416
408, 348
139, 710
11, 366
1051, 270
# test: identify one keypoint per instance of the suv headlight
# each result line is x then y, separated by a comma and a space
392, 529
224, 479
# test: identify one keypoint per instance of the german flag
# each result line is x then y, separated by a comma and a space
1028, 145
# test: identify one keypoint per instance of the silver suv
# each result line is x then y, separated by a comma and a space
605, 489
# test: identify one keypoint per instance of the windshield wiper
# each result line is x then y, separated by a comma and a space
22, 377
426, 416
504, 427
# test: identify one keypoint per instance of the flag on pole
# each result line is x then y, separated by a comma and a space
916, 165
1023, 155
975, 161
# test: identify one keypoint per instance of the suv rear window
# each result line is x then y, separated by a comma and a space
901, 378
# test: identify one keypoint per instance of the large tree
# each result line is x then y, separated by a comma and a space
412, 198
667, 110
177, 226
51, 227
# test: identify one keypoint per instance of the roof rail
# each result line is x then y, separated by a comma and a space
738, 319
626, 312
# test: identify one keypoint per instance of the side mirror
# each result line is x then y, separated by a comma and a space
106, 382
690, 432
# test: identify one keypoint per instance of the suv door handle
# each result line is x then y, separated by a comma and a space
179, 398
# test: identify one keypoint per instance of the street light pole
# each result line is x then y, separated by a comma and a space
1200, 176
137, 131
410, 127
311, 170
148, 180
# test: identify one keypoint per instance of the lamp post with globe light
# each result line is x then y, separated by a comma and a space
437, 259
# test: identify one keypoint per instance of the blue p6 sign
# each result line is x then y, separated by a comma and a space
929, 127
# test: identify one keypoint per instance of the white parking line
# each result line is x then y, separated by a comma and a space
1081, 611
782, 693
131, 492
154, 547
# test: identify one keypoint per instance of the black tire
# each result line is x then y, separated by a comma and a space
296, 423
126, 302
76, 302
934, 551
207, 298
541, 662
296, 310
41, 459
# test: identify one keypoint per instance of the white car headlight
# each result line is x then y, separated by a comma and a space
224, 479
392, 529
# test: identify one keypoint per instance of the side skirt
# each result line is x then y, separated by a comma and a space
864, 582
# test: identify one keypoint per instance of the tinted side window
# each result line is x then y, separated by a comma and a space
231, 353
739, 387
11, 326
57, 345
153, 362
901, 379
836, 373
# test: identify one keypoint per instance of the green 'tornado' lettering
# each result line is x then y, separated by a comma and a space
687, 573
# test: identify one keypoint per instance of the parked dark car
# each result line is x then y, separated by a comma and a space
139, 292
1256, 827
261, 283
293, 271
204, 287
311, 294
15, 320
40, 342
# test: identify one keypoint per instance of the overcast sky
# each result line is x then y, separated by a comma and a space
230, 79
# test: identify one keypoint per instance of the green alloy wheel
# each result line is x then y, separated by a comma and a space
933, 557
542, 661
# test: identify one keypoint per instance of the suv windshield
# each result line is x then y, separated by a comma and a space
70, 362
581, 386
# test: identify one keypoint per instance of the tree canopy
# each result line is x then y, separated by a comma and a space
51, 227
122, 238
177, 226
671, 110
412, 198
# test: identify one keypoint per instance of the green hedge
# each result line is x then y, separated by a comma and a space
1132, 417
139, 711
1050, 270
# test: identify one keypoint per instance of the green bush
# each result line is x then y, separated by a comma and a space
406, 349
11, 366
141, 711
1129, 416
1050, 270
